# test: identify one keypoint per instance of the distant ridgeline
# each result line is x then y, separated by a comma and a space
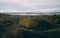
57, 13
3, 14
29, 13
25, 13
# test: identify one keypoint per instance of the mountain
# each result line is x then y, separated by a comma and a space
57, 13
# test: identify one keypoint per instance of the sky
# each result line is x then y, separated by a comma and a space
29, 5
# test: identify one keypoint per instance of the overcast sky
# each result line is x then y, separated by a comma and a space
30, 5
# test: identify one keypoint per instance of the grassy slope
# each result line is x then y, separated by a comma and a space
12, 30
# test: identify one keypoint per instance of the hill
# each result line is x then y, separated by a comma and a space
47, 26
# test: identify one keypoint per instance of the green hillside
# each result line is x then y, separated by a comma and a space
42, 26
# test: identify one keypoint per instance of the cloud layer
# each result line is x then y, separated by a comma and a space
30, 5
